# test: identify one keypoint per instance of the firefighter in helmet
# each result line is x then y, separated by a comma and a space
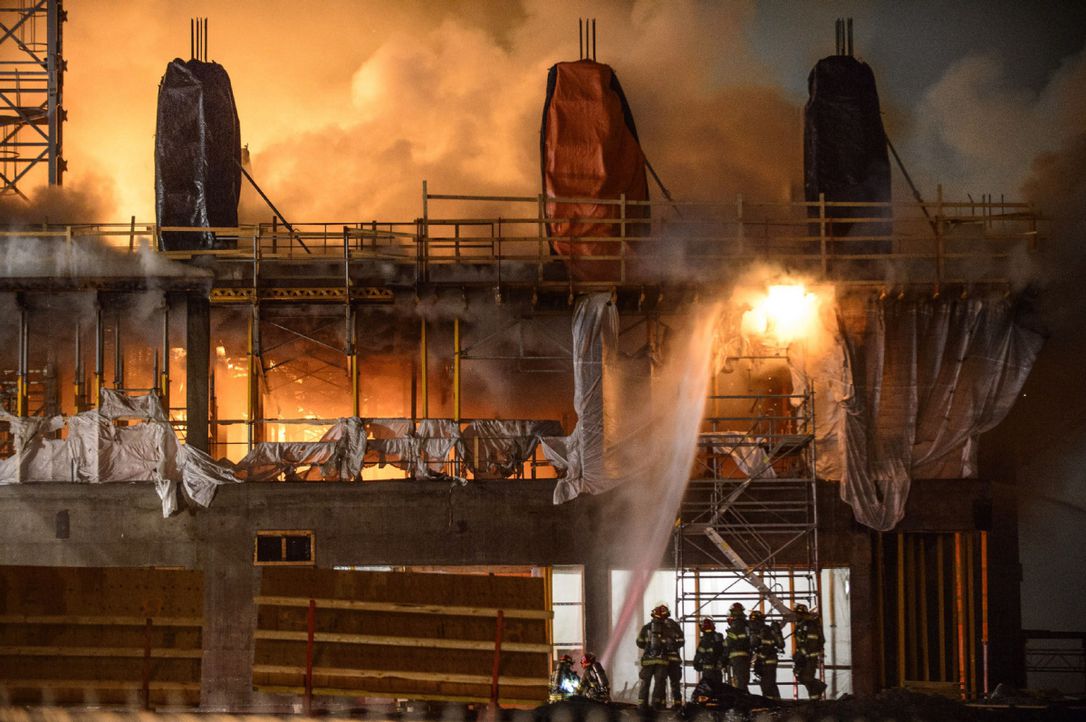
660, 641
564, 680
738, 640
809, 646
594, 684
710, 658
767, 642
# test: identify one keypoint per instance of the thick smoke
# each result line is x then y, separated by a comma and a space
84, 202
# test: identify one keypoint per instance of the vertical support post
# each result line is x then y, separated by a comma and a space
356, 368
900, 609
541, 212
984, 606
146, 677
940, 596
910, 603
822, 234
456, 369
622, 238
22, 392
54, 63
971, 607
424, 233
499, 629
118, 353
253, 410
924, 652
424, 371
880, 605
197, 369
77, 383
164, 381
959, 614
99, 354
310, 629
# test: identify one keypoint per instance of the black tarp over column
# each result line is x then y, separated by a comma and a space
197, 153
844, 151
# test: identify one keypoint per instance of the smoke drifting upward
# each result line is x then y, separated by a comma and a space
85, 202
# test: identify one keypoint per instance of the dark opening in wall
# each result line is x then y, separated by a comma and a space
284, 547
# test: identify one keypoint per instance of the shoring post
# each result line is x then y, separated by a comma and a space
457, 355
541, 212
880, 606
255, 431
77, 382
310, 632
959, 615
910, 601
901, 609
924, 651
984, 606
99, 355
22, 385
118, 353
164, 380
424, 370
940, 597
971, 607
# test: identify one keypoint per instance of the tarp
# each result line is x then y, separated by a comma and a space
844, 147
909, 396
197, 153
96, 450
583, 455
589, 149
498, 448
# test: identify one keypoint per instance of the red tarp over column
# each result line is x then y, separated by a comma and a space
589, 149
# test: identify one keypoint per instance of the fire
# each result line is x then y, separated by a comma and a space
785, 313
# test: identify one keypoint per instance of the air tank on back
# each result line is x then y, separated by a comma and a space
589, 149
844, 150
197, 151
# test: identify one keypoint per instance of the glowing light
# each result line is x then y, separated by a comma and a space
785, 313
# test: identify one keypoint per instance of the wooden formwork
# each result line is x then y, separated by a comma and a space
100, 635
402, 635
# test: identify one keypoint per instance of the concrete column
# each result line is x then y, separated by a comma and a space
197, 367
865, 634
597, 606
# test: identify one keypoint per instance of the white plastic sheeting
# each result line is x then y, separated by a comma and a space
910, 395
96, 450
582, 456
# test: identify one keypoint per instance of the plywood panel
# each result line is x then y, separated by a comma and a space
81, 634
402, 634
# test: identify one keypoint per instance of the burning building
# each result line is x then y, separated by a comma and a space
313, 418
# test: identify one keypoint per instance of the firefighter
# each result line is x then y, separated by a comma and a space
809, 645
738, 640
594, 684
767, 642
660, 640
564, 681
709, 659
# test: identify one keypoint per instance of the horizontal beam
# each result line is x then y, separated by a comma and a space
404, 608
386, 641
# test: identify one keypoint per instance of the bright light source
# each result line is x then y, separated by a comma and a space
785, 313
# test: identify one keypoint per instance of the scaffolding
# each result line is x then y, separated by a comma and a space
31, 94
748, 527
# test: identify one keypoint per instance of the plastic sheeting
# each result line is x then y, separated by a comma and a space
583, 454
589, 149
844, 146
498, 448
96, 450
910, 395
197, 153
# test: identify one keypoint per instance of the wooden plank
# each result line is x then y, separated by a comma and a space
401, 641
404, 607
95, 684
341, 692
106, 591
66, 619
159, 653
391, 674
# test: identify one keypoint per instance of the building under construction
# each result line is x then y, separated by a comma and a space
245, 464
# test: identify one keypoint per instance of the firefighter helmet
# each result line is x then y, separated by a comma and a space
588, 660
661, 612
800, 609
756, 615
736, 609
566, 659
707, 624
